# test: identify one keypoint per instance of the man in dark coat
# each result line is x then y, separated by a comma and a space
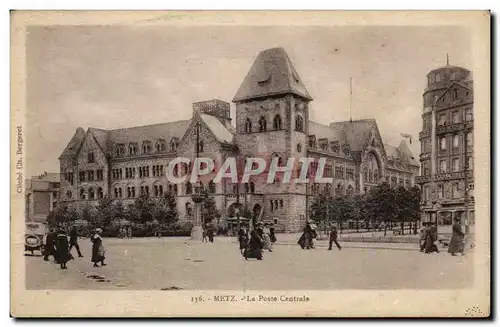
272, 235
333, 239
254, 249
73, 241
457, 238
242, 239
305, 240
62, 248
431, 238
49, 248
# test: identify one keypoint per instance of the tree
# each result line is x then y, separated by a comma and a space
89, 214
165, 209
59, 215
319, 211
105, 211
401, 205
380, 204
209, 210
142, 209
359, 207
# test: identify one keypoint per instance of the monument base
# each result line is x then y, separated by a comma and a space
197, 233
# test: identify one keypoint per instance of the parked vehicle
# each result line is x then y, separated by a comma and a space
34, 237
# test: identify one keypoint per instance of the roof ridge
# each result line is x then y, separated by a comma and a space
143, 126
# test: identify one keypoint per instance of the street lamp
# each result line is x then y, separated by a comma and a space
197, 230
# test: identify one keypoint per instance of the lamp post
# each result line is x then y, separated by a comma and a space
197, 230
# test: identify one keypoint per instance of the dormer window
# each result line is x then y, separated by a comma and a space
173, 145
160, 145
335, 146
346, 149
132, 149
312, 142
120, 150
455, 94
438, 77
146, 147
323, 144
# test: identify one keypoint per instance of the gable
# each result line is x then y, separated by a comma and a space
74, 144
188, 141
90, 144
457, 93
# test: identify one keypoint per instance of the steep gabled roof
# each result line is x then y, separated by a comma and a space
401, 153
272, 73
149, 132
449, 88
74, 144
220, 131
326, 132
357, 131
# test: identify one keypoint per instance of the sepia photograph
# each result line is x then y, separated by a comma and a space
250, 164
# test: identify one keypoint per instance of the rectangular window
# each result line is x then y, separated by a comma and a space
91, 157
456, 164
90, 174
440, 191
81, 176
100, 175
455, 117
469, 139
442, 120
468, 115
456, 141
470, 163
438, 77
442, 143
442, 166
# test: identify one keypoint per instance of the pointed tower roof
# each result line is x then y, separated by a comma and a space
272, 73
74, 144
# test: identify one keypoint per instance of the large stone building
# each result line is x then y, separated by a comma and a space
447, 146
272, 120
42, 193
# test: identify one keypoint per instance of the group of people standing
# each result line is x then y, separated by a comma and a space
309, 234
261, 238
59, 246
208, 234
429, 238
125, 232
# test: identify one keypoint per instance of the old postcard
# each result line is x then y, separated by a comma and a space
250, 164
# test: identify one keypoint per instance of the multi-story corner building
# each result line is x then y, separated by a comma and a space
447, 165
42, 193
272, 120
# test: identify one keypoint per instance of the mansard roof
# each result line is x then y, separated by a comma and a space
272, 73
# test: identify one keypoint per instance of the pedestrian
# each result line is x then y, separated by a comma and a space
272, 235
129, 232
333, 239
457, 239
430, 239
255, 245
98, 251
242, 239
423, 235
205, 237
267, 239
49, 248
210, 233
73, 241
62, 253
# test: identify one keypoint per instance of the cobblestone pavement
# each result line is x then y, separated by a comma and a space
155, 264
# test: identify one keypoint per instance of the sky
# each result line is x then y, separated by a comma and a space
121, 76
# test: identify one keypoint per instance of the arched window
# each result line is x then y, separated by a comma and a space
339, 190
276, 204
248, 126
91, 194
370, 176
277, 122
375, 176
299, 123
350, 190
155, 190
100, 193
146, 147
189, 209
68, 194
252, 187
146, 189
189, 188
211, 187
272, 205
262, 124
281, 203
82, 194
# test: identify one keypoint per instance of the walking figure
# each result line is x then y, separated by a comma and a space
98, 251
62, 253
73, 241
49, 248
333, 239
457, 239
205, 236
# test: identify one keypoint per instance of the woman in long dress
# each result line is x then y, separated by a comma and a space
457, 239
62, 253
267, 239
254, 248
98, 251
242, 239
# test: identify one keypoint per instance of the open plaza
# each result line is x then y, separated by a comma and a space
180, 263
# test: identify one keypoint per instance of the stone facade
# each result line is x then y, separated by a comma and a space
446, 161
272, 121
